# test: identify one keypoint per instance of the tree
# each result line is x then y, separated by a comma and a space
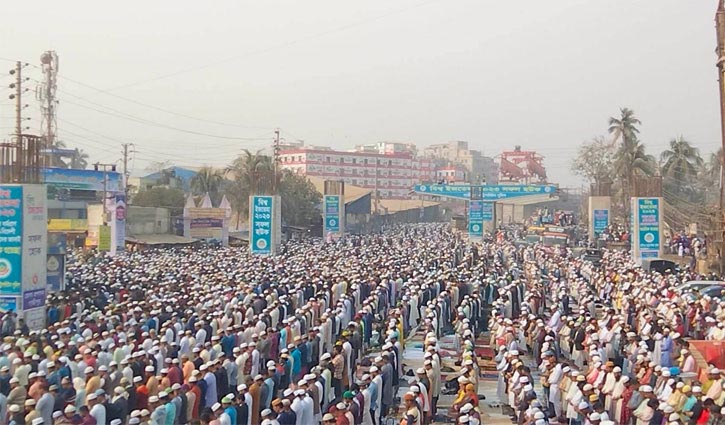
300, 199
208, 180
161, 197
594, 161
681, 161
631, 160
246, 172
79, 160
57, 159
157, 166
624, 127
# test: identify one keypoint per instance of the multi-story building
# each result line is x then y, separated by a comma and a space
479, 168
386, 148
455, 173
392, 174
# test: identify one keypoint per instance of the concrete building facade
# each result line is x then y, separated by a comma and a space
392, 174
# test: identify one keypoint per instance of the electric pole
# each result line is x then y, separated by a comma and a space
126, 174
18, 103
275, 158
720, 31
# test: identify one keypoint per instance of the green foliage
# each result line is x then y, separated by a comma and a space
250, 170
681, 161
208, 180
300, 199
161, 197
594, 160
245, 173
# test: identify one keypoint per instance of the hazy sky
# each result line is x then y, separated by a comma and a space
542, 74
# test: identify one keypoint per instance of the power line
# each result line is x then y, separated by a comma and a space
106, 92
209, 64
122, 115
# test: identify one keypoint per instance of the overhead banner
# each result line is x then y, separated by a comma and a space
487, 192
260, 226
11, 240
332, 213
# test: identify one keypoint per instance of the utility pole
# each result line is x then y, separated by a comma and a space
18, 103
97, 166
720, 31
126, 174
275, 158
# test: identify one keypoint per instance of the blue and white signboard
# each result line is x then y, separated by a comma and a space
11, 240
260, 225
475, 218
332, 213
487, 211
488, 192
648, 227
83, 179
601, 221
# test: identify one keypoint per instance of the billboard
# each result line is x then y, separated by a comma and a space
206, 223
260, 225
83, 179
11, 240
487, 192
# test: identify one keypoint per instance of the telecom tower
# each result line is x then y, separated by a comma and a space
45, 93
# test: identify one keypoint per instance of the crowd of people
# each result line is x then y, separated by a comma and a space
216, 336
609, 343
317, 335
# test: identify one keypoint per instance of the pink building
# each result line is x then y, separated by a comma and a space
394, 174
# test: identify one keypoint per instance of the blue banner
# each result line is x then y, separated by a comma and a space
8, 304
488, 192
332, 213
83, 179
648, 220
475, 218
601, 221
11, 240
260, 229
487, 211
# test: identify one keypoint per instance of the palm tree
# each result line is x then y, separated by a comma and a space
207, 180
631, 160
79, 160
624, 127
248, 172
681, 161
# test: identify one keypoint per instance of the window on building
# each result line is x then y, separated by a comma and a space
327, 159
354, 160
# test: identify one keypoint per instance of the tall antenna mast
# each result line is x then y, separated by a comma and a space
48, 104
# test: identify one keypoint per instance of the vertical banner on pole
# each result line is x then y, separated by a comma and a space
333, 222
260, 225
119, 217
11, 240
475, 219
647, 228
35, 254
